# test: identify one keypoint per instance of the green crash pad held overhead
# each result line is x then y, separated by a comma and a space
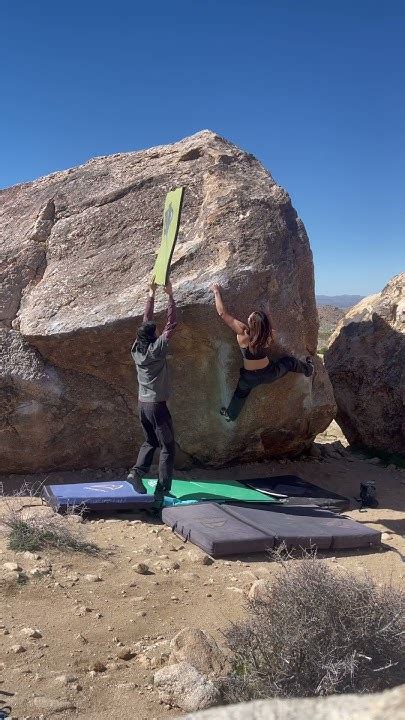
213, 490
171, 224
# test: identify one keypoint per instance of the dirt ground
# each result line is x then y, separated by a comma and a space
74, 668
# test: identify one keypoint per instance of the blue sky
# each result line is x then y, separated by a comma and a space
314, 88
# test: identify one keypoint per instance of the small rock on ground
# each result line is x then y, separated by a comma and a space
12, 567
32, 633
17, 649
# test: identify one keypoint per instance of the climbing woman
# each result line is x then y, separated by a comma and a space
254, 339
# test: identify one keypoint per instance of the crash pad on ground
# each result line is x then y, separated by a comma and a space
214, 490
294, 490
239, 528
95, 496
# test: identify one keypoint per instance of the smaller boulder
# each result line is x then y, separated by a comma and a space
197, 648
182, 686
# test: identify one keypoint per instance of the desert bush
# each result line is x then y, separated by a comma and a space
30, 530
317, 631
35, 534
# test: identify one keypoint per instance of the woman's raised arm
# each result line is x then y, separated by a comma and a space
236, 325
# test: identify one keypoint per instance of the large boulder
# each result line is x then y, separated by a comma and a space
366, 364
381, 706
77, 248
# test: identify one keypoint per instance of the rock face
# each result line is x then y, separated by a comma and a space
77, 248
389, 704
366, 364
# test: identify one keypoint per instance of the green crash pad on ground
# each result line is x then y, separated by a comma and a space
213, 490
171, 224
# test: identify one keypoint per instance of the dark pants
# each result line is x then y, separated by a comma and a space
157, 426
250, 379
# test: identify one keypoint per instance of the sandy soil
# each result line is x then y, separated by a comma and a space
84, 622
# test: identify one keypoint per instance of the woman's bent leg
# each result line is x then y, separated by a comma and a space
292, 364
243, 390
287, 364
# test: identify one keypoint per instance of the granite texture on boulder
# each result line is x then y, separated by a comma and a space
366, 364
381, 706
76, 250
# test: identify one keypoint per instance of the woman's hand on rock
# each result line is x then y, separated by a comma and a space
216, 288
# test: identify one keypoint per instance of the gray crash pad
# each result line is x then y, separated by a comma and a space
237, 529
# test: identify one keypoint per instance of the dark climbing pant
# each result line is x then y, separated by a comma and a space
250, 379
157, 426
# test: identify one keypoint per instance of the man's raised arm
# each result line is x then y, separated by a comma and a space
171, 321
150, 302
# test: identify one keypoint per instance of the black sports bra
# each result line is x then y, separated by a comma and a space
248, 355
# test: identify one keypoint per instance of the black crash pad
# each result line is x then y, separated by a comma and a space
295, 491
237, 529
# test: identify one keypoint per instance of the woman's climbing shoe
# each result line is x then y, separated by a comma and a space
310, 366
223, 411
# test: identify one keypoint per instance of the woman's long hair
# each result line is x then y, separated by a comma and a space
260, 331
145, 336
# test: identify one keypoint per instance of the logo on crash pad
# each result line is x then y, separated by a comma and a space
105, 488
168, 219
214, 523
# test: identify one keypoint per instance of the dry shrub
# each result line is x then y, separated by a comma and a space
316, 632
30, 529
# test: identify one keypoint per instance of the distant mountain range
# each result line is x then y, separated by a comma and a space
340, 301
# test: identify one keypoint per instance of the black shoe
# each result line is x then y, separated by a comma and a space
310, 367
134, 477
159, 498
223, 411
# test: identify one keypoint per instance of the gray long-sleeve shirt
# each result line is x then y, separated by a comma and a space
152, 368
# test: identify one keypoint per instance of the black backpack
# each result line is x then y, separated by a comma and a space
368, 494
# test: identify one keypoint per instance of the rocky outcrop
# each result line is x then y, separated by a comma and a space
389, 704
77, 248
366, 364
